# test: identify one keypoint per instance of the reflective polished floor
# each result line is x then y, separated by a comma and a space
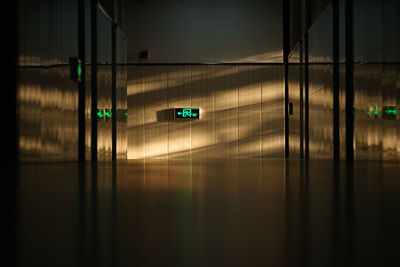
268, 212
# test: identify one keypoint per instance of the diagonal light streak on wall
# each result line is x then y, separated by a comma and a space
241, 111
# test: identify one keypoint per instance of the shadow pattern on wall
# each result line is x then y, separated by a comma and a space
241, 109
47, 99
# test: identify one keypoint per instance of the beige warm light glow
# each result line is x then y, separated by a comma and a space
47, 114
241, 111
273, 56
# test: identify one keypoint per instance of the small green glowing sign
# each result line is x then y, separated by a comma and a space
100, 113
108, 113
390, 112
79, 70
75, 69
376, 112
373, 110
187, 113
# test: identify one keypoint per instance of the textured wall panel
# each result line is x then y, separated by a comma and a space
121, 93
155, 99
47, 98
342, 79
368, 129
342, 107
29, 30
203, 130
47, 114
88, 39
135, 124
320, 112
226, 111
47, 32
320, 88
390, 97
272, 116
249, 86
88, 119
104, 85
88, 84
179, 96
294, 97
376, 82
376, 79
230, 98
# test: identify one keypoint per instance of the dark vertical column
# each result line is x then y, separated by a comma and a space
336, 108
286, 51
10, 155
349, 80
14, 81
82, 82
114, 92
9, 83
301, 103
306, 101
306, 85
94, 4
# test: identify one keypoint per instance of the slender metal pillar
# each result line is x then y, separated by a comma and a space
286, 51
306, 101
93, 112
301, 102
307, 17
82, 82
349, 81
336, 107
114, 92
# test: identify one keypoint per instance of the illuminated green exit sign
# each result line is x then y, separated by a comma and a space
100, 113
372, 110
104, 113
187, 113
390, 112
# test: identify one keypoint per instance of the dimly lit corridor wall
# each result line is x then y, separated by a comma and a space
206, 31
371, 50
296, 97
121, 95
320, 84
241, 111
47, 97
376, 79
241, 101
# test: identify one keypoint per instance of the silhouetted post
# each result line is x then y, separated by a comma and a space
82, 82
286, 51
336, 77
94, 79
349, 81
